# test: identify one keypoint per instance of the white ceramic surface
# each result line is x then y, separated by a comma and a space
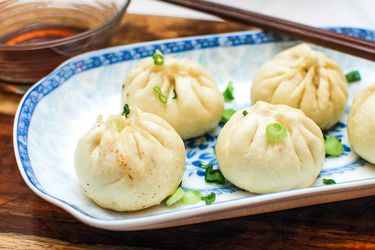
58, 110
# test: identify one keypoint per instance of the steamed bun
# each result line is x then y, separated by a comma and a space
253, 162
192, 103
130, 163
306, 79
361, 124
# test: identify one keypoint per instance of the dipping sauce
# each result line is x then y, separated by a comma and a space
39, 33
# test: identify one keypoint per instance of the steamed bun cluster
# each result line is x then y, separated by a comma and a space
249, 160
130, 163
361, 124
306, 79
193, 104
136, 160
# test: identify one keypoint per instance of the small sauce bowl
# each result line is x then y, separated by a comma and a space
37, 36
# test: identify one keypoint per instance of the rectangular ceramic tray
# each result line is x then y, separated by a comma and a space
61, 107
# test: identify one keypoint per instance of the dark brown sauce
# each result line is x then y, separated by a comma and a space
28, 65
39, 33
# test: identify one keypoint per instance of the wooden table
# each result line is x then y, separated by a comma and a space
26, 221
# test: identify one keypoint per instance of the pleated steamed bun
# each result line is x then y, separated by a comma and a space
361, 124
130, 163
263, 162
180, 91
306, 79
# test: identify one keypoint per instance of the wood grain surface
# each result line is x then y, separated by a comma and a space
28, 222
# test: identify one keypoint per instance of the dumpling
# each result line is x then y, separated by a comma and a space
130, 163
263, 162
361, 124
306, 79
180, 91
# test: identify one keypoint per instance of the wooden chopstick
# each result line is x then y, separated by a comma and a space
333, 40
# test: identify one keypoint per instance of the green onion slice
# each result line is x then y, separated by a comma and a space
227, 114
191, 197
175, 197
158, 58
126, 110
174, 94
244, 113
204, 166
163, 98
157, 90
276, 132
228, 93
353, 76
329, 181
209, 199
333, 146
214, 176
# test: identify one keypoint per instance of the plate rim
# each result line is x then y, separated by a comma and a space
142, 222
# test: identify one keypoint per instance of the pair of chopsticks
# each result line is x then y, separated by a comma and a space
344, 43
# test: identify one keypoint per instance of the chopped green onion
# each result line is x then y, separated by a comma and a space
353, 76
244, 113
126, 110
227, 114
158, 58
214, 175
204, 166
175, 197
163, 98
276, 132
333, 146
157, 90
191, 197
214, 150
174, 94
329, 181
209, 199
228, 93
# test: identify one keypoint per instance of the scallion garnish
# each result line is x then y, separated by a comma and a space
204, 166
333, 146
209, 199
158, 58
227, 114
276, 132
353, 76
163, 98
175, 197
191, 197
174, 94
244, 113
157, 90
329, 181
126, 110
214, 175
228, 93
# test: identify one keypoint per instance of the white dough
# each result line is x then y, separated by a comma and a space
249, 160
199, 103
127, 164
361, 124
306, 79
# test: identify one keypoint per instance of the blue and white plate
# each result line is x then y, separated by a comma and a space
58, 110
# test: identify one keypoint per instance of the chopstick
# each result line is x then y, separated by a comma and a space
333, 40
